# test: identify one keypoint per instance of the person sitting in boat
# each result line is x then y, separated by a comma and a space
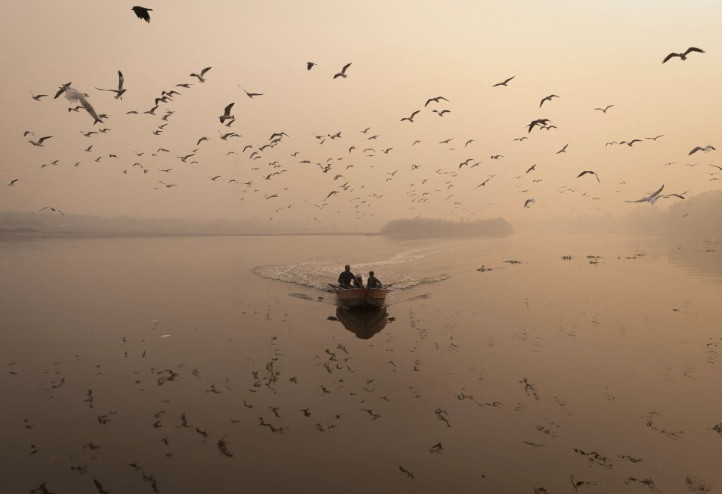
372, 281
346, 277
358, 282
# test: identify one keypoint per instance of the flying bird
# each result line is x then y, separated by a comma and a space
12, 182
39, 142
604, 110
142, 13
200, 76
227, 113
51, 209
705, 149
309, 65
683, 56
563, 150
441, 113
411, 118
547, 98
590, 172
343, 71
250, 95
435, 100
529, 201
37, 97
651, 198
540, 122
74, 95
504, 83
118, 92
62, 89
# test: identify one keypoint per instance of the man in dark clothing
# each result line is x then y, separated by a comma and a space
372, 281
346, 277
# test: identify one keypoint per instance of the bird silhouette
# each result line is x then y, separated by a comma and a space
411, 117
504, 82
683, 56
604, 110
651, 198
250, 95
343, 71
588, 172
118, 92
705, 149
200, 76
227, 113
142, 13
39, 142
547, 98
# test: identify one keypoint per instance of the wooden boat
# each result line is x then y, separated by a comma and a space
352, 298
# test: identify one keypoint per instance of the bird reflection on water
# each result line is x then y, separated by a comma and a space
363, 322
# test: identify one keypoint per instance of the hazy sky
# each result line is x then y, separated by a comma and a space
590, 54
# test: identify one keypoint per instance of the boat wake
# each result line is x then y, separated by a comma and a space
318, 273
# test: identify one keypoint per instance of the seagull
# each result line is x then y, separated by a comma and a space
540, 121
37, 97
411, 118
203, 72
250, 95
528, 201
683, 56
142, 13
441, 113
655, 137
588, 171
62, 89
118, 92
705, 149
309, 65
504, 83
227, 113
74, 95
604, 110
435, 100
651, 198
12, 182
531, 168
563, 150
51, 209
343, 71
39, 142
547, 98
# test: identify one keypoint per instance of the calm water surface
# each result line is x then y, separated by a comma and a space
209, 364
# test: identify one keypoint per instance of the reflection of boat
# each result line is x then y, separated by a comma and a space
360, 297
364, 322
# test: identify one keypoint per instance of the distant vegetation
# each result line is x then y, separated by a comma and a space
430, 227
698, 216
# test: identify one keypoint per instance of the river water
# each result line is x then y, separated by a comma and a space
218, 364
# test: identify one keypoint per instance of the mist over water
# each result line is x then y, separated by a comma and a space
219, 362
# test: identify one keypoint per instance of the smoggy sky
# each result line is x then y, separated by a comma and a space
590, 54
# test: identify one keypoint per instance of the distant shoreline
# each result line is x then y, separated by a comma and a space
27, 232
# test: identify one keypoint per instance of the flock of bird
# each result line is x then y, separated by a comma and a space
268, 162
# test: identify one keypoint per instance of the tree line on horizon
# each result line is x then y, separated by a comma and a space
436, 227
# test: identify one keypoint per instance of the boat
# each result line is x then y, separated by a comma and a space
351, 298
